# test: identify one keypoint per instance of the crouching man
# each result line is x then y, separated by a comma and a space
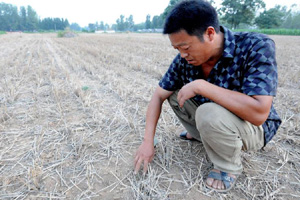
221, 86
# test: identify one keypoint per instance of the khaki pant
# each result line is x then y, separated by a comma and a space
223, 134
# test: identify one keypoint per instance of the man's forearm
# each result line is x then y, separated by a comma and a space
152, 116
254, 109
153, 112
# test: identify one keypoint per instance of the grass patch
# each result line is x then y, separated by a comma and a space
272, 31
2, 32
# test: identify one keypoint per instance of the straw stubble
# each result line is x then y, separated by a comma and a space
73, 114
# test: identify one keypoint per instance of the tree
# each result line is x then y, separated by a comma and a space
120, 23
15, 18
139, 26
129, 23
102, 27
123, 25
92, 27
114, 27
292, 21
272, 18
32, 19
236, 12
292, 18
23, 18
57, 24
157, 21
46, 24
75, 27
106, 27
97, 26
296, 21
148, 22
26, 19
66, 23
53, 24
9, 18
168, 9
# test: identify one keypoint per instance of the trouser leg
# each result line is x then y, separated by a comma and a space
224, 135
186, 114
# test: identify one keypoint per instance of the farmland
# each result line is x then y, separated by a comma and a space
72, 114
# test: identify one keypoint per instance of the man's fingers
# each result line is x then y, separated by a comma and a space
145, 166
144, 155
181, 102
136, 159
138, 165
180, 99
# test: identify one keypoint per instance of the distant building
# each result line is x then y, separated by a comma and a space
155, 30
108, 31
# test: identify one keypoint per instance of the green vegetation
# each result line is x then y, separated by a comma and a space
271, 18
272, 31
53, 24
60, 34
26, 19
236, 12
66, 33
239, 14
2, 32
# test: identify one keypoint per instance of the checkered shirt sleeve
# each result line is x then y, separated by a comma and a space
260, 77
172, 80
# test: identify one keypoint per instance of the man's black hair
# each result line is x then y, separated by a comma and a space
193, 16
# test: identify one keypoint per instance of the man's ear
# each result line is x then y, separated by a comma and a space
210, 32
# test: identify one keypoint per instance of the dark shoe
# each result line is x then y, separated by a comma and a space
183, 136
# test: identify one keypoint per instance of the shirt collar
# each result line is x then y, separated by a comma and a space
229, 42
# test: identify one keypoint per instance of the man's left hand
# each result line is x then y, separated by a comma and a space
188, 91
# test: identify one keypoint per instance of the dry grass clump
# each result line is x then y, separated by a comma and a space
72, 114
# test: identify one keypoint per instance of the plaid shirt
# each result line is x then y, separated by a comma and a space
248, 65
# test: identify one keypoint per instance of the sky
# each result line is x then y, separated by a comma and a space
84, 12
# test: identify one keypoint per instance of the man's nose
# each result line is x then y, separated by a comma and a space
183, 54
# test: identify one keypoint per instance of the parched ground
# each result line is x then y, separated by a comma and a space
72, 114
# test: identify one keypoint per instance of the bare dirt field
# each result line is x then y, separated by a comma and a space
72, 114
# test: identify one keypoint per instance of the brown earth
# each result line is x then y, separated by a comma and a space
72, 114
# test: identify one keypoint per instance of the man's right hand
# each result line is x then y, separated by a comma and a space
144, 154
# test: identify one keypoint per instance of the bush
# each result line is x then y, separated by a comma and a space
66, 33
60, 34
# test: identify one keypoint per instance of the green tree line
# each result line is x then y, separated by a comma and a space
234, 14
242, 14
127, 24
26, 19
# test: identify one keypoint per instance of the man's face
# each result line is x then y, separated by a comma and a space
195, 52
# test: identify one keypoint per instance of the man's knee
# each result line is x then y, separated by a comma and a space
207, 113
211, 116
